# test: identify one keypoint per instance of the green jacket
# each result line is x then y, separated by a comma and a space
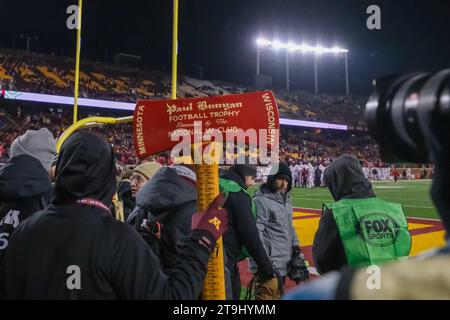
373, 231
226, 186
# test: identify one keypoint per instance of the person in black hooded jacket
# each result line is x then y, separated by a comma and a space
345, 179
357, 215
167, 202
125, 194
76, 249
242, 231
425, 277
25, 185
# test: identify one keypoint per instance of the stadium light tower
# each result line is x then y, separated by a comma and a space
28, 39
302, 48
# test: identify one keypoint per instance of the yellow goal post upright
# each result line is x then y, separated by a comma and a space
77, 62
207, 174
207, 190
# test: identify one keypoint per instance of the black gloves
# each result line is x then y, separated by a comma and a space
298, 266
265, 275
296, 250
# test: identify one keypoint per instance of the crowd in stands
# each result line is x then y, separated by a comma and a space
319, 146
15, 121
23, 71
323, 107
297, 144
38, 73
30, 72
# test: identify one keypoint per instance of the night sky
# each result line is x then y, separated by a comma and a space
220, 36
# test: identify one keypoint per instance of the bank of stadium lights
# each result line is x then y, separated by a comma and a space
291, 47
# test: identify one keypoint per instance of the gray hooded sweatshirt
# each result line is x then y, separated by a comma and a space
275, 227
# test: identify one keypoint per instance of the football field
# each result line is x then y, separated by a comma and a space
413, 195
423, 220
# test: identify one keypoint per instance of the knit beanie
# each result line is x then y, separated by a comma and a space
37, 144
147, 169
281, 171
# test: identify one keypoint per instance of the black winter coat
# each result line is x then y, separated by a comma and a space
345, 180
75, 251
25, 188
172, 201
126, 196
56, 245
242, 230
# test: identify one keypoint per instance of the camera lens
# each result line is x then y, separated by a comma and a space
392, 117
399, 112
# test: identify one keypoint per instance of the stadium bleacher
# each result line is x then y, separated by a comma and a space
31, 72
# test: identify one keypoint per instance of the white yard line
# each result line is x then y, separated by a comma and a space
430, 219
388, 187
424, 207
309, 198
318, 210
401, 181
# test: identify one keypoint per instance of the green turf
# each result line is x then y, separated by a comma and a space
413, 195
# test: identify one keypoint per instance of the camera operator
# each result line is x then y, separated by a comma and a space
428, 98
381, 234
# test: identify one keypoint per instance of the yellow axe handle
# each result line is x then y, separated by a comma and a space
207, 190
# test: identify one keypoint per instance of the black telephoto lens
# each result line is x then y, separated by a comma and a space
408, 114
